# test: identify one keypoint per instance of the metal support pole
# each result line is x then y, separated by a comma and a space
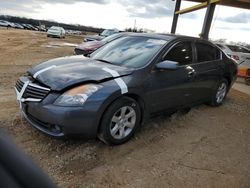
208, 21
175, 19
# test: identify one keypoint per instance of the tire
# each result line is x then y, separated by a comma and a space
220, 93
115, 127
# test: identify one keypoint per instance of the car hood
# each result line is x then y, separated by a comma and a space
92, 45
54, 30
62, 73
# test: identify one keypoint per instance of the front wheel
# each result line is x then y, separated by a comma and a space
219, 93
120, 121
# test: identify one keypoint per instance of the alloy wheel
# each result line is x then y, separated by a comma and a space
221, 92
123, 122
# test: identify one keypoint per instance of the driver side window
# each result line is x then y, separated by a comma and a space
181, 53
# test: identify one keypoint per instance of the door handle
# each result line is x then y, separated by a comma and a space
191, 71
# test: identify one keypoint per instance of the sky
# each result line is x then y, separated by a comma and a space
229, 23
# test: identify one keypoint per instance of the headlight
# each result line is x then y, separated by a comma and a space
77, 96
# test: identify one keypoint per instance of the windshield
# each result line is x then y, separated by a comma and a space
54, 28
112, 37
129, 51
107, 32
238, 49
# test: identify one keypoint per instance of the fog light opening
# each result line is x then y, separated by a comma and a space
56, 128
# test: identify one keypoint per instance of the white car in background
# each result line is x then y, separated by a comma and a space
240, 54
56, 31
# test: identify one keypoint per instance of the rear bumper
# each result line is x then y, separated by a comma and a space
89, 39
78, 51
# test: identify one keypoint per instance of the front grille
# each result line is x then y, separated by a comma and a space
19, 85
33, 90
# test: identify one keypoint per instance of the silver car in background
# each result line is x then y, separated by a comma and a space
240, 54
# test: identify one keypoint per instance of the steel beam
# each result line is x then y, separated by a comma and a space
208, 21
197, 7
245, 4
175, 19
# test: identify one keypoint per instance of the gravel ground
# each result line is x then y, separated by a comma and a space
208, 147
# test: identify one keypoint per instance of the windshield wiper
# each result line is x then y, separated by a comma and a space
104, 61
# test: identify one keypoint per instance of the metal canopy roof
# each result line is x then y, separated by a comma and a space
233, 3
210, 5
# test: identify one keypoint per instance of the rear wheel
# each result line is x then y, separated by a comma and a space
219, 93
120, 121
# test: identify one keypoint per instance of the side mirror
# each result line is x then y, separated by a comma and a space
168, 65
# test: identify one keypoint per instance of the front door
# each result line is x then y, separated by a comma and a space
170, 88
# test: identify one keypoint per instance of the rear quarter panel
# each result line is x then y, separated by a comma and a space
231, 69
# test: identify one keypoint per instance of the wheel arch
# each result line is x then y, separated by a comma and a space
133, 96
228, 78
140, 101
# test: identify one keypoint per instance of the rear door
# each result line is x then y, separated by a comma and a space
208, 69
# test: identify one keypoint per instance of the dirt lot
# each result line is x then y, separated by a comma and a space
208, 147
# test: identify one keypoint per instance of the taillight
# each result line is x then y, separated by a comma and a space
234, 61
235, 57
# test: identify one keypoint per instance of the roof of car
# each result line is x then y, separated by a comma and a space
164, 36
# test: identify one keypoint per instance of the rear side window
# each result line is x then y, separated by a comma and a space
181, 53
206, 52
